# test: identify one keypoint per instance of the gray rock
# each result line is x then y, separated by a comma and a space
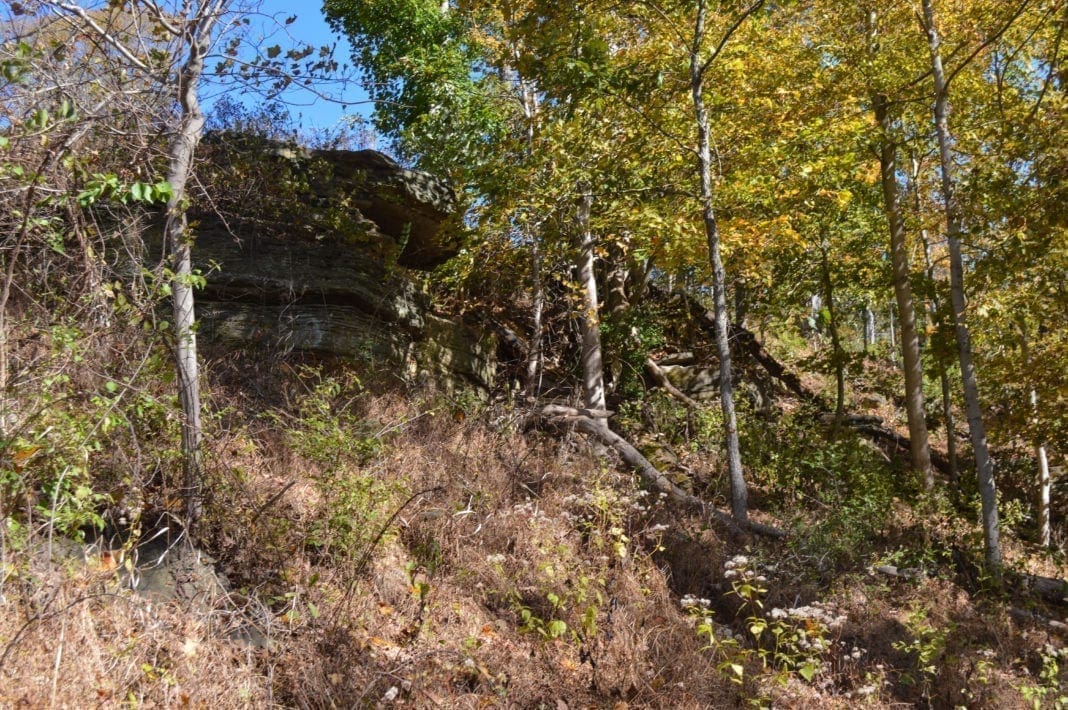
332, 277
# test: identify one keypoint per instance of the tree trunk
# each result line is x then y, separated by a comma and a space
933, 308
534, 353
983, 463
617, 303
890, 333
869, 328
739, 498
1041, 460
179, 247
837, 353
910, 342
951, 427
589, 320
529, 101
1044, 486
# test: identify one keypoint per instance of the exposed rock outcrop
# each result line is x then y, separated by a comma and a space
319, 260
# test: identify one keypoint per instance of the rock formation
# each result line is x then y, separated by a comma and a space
317, 255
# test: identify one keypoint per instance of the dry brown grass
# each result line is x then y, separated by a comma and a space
509, 523
73, 638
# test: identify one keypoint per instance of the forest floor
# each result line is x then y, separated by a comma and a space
373, 546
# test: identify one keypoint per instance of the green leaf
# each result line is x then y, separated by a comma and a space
807, 671
163, 191
557, 628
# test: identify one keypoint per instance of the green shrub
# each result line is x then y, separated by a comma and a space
324, 430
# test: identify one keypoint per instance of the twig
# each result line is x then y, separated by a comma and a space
271, 501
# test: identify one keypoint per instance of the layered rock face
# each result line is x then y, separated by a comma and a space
318, 259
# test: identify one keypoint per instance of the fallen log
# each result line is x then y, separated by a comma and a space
683, 358
1031, 617
744, 338
1051, 589
909, 573
647, 472
560, 410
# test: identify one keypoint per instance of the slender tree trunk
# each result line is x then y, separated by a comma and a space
1044, 480
910, 341
739, 497
890, 320
179, 247
951, 427
617, 303
869, 328
534, 352
529, 101
741, 304
837, 353
1044, 487
983, 463
1041, 460
933, 309
589, 319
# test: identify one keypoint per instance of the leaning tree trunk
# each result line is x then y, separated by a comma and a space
739, 498
179, 247
983, 463
589, 319
910, 341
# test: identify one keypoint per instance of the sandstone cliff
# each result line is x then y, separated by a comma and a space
319, 257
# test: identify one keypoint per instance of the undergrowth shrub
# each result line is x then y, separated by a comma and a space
839, 491
94, 437
324, 428
801, 640
632, 334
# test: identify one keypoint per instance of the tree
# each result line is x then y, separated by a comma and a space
983, 463
167, 46
700, 59
192, 28
910, 340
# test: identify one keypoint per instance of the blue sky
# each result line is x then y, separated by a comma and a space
309, 111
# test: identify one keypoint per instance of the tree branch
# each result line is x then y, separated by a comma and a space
730, 31
102, 33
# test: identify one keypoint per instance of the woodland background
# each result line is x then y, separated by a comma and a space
851, 215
